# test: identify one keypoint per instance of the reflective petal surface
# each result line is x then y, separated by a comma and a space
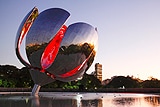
51, 50
40, 35
54, 50
76, 53
23, 30
45, 27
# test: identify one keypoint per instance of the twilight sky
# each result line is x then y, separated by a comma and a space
129, 32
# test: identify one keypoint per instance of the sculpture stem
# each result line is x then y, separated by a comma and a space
35, 90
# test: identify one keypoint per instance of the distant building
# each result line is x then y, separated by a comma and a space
98, 71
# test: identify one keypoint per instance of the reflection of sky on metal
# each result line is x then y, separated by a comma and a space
22, 31
80, 33
43, 29
46, 26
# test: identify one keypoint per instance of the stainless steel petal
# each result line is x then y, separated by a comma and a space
80, 33
22, 31
77, 45
42, 31
40, 78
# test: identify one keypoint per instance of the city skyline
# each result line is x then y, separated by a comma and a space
129, 32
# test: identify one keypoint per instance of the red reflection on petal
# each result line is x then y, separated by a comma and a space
74, 71
51, 50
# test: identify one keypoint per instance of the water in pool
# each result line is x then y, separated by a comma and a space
70, 99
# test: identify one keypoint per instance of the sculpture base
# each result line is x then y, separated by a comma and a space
35, 90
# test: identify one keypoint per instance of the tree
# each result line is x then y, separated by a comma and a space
90, 82
11, 76
8, 76
121, 81
152, 83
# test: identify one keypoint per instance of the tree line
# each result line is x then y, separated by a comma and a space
130, 82
12, 77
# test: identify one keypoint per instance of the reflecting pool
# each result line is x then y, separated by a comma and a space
75, 99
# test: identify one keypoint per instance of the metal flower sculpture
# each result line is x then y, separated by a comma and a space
55, 51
